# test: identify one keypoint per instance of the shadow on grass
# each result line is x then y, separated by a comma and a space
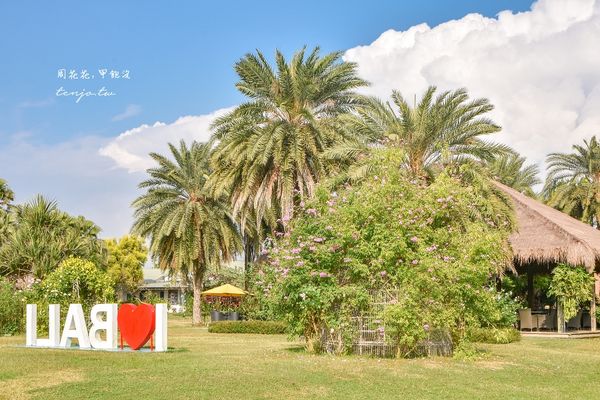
178, 350
296, 349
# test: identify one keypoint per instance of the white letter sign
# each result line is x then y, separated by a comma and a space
103, 332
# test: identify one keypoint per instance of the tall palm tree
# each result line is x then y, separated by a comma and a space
510, 169
435, 132
189, 229
573, 181
269, 151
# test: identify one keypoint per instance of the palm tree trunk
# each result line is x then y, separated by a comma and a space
197, 304
248, 259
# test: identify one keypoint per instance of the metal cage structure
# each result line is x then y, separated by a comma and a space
368, 333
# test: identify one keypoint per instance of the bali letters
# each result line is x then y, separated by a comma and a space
137, 324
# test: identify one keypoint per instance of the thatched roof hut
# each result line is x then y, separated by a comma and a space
547, 236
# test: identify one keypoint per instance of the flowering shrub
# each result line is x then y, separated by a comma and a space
74, 281
430, 244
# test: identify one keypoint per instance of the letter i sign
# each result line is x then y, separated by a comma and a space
137, 324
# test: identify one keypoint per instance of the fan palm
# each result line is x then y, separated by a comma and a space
41, 236
189, 229
510, 170
437, 131
269, 151
6, 194
573, 181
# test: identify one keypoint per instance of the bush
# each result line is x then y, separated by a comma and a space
572, 286
262, 327
151, 297
432, 246
494, 335
74, 281
11, 309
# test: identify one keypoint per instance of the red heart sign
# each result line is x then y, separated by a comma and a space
136, 323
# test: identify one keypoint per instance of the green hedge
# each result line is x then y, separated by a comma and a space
263, 327
494, 335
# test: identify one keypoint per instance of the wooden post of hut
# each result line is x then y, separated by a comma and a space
593, 303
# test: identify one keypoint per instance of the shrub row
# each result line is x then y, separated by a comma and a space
494, 335
263, 327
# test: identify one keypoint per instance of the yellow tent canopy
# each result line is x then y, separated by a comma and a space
226, 290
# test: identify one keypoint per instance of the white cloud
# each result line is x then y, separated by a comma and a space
130, 111
75, 175
130, 149
541, 69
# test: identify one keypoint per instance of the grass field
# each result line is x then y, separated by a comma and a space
222, 366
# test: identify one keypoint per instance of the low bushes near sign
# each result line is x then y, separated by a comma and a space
11, 308
261, 327
74, 281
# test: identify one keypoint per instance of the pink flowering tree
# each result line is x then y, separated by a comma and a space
438, 246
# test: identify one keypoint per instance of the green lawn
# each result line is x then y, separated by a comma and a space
221, 366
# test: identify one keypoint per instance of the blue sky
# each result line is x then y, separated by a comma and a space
89, 156
180, 56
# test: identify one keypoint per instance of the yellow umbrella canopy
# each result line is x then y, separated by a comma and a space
226, 290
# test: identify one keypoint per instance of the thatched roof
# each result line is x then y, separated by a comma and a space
546, 235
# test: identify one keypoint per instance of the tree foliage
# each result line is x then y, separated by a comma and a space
268, 156
431, 134
126, 258
431, 246
41, 236
573, 181
572, 286
510, 169
190, 230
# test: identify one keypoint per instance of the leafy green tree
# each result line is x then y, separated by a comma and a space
510, 169
42, 236
126, 258
190, 230
573, 181
434, 133
268, 156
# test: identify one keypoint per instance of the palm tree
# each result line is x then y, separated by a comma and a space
573, 181
510, 170
189, 229
434, 133
6, 194
269, 151
41, 236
